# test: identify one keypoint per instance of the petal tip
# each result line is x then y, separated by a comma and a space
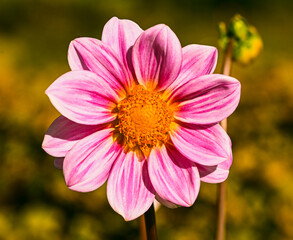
131, 217
48, 90
73, 187
114, 18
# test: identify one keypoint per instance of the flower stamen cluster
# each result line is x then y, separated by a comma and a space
144, 119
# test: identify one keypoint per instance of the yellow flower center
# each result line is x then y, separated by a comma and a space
144, 119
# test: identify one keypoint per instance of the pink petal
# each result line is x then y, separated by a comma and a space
58, 162
120, 35
204, 145
129, 189
83, 97
157, 57
94, 55
63, 134
197, 60
165, 202
87, 165
206, 100
215, 174
173, 176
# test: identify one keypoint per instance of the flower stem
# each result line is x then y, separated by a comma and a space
221, 223
221, 211
142, 230
150, 224
228, 58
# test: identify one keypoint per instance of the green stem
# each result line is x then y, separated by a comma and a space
221, 222
150, 224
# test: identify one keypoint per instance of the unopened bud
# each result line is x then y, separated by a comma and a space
247, 43
238, 28
223, 40
246, 51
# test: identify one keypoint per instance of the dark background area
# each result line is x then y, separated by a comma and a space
34, 200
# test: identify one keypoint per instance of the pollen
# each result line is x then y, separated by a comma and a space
144, 119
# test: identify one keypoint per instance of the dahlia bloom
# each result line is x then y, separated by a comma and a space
142, 112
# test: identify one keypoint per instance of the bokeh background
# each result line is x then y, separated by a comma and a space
34, 201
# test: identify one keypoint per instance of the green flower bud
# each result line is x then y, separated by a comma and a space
247, 43
238, 28
223, 40
246, 51
222, 29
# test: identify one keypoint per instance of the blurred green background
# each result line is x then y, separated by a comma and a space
34, 201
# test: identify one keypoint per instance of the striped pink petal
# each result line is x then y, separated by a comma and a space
120, 35
165, 202
87, 165
94, 55
63, 134
157, 57
129, 190
206, 100
197, 60
83, 97
215, 174
204, 145
173, 176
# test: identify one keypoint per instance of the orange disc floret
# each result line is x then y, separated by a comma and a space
144, 119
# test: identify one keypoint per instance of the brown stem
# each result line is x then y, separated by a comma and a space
228, 58
221, 223
221, 211
142, 230
150, 224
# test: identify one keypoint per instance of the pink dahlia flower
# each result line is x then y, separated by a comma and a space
142, 112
